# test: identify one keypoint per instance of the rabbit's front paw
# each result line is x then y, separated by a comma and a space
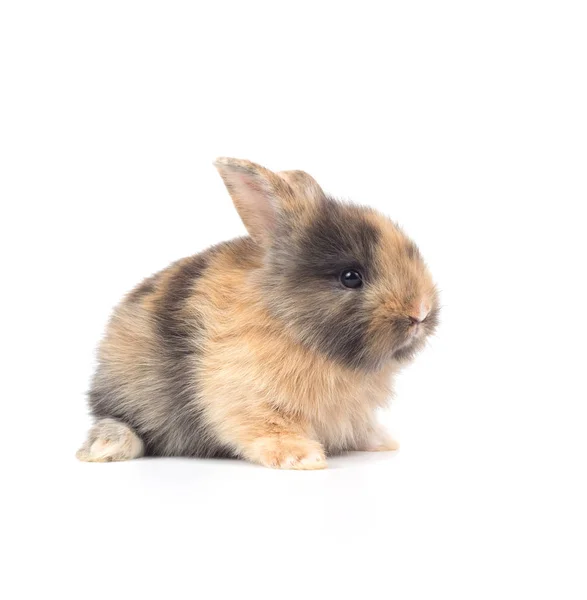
279, 452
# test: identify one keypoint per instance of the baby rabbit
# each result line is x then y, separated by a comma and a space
278, 347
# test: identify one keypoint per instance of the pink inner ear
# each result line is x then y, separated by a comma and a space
255, 205
248, 182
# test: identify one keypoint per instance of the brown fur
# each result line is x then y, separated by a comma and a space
204, 350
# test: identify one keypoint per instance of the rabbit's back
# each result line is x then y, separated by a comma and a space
149, 361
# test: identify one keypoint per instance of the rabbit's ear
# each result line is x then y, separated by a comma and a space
260, 196
304, 185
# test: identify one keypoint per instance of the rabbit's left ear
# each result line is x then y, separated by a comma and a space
304, 185
260, 196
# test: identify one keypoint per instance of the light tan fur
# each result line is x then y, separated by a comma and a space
263, 393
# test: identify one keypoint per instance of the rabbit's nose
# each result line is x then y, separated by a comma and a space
420, 313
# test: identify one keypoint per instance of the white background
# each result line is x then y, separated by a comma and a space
464, 121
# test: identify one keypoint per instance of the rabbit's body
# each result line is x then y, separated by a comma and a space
215, 356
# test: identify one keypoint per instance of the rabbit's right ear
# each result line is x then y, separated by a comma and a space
260, 196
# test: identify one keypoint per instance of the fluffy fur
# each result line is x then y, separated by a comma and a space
254, 348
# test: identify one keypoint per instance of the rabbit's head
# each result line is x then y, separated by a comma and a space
342, 279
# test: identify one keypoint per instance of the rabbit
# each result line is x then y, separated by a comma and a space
278, 347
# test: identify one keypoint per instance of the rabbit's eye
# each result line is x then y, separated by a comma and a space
351, 279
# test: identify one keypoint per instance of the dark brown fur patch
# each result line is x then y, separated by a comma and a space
304, 279
181, 339
144, 288
175, 331
339, 238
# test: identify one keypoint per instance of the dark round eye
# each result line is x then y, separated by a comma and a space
351, 279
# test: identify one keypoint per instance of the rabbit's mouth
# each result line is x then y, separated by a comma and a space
407, 349
414, 337
412, 340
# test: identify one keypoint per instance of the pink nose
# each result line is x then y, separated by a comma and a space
420, 313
